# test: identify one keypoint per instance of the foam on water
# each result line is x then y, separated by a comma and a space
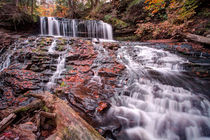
148, 109
59, 70
52, 46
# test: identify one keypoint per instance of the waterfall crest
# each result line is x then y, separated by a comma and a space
75, 28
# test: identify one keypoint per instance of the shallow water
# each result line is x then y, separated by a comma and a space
157, 99
157, 96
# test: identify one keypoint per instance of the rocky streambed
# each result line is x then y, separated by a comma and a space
115, 87
76, 70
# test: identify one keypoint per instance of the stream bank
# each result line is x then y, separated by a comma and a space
89, 76
114, 86
31, 67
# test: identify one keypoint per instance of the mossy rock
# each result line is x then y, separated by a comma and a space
60, 48
62, 41
116, 23
127, 38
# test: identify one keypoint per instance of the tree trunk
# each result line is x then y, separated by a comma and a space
7, 121
197, 38
17, 3
71, 8
96, 2
91, 4
28, 3
32, 7
69, 124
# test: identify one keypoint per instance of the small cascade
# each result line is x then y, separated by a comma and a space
155, 97
102, 58
5, 63
52, 46
59, 70
156, 100
75, 28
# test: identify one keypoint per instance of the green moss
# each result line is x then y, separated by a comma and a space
71, 134
61, 48
204, 13
62, 41
22, 109
42, 43
107, 18
45, 108
127, 38
134, 2
63, 84
117, 23
35, 50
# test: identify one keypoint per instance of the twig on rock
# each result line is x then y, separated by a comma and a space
48, 115
7, 121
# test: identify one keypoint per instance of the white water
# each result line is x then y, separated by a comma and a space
59, 70
147, 109
53, 26
75, 28
9, 54
52, 46
102, 57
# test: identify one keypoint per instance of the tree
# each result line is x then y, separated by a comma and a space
17, 3
32, 7
72, 7
27, 6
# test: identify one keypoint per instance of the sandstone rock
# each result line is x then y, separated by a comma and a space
111, 46
16, 82
28, 126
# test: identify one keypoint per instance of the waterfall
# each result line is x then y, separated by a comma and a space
43, 26
75, 28
60, 68
156, 101
57, 74
5, 64
53, 26
52, 46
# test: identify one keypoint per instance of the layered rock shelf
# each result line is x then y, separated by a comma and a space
86, 82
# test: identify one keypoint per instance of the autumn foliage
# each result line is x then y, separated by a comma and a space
154, 5
171, 18
46, 10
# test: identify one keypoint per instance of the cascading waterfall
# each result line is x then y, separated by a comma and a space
60, 64
75, 28
150, 109
52, 46
102, 57
57, 74
5, 64
155, 100
53, 27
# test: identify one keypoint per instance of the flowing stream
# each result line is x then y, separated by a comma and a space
6, 62
52, 47
157, 101
155, 98
60, 68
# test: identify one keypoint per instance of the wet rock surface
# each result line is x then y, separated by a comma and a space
14, 83
87, 80
83, 73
